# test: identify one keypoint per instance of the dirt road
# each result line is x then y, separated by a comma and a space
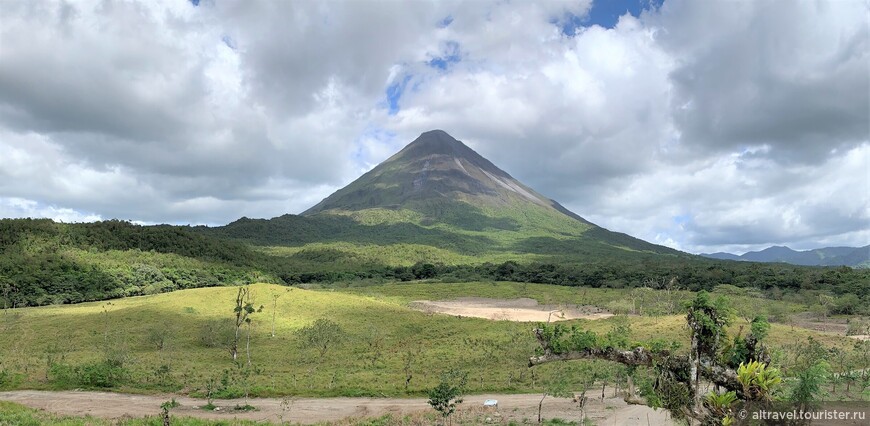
312, 410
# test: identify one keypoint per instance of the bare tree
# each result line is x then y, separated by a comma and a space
242, 310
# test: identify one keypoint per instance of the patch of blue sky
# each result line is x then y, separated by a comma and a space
394, 94
194, 2
444, 23
451, 55
604, 13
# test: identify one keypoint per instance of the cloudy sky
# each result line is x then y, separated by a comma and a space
704, 126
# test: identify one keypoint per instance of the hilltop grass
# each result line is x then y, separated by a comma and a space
381, 333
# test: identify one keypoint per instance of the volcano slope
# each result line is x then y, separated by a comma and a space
437, 200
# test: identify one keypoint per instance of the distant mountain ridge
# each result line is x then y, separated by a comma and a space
826, 256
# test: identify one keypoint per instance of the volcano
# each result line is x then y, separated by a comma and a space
438, 192
433, 169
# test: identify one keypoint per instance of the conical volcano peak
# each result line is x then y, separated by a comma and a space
435, 135
433, 169
438, 184
436, 142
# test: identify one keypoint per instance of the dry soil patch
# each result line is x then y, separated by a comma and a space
524, 310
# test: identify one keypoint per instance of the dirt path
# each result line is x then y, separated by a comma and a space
107, 405
525, 310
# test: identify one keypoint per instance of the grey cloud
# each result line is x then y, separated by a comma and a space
794, 76
702, 125
73, 75
291, 47
144, 95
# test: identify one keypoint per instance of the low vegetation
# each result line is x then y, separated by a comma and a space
328, 343
42, 262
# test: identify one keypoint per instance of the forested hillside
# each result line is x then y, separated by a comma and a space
44, 262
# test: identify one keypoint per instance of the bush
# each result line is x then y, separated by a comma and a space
322, 335
6, 378
848, 304
101, 374
159, 335
62, 375
104, 374
217, 333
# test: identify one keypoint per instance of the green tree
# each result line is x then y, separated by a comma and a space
809, 384
811, 369
448, 393
676, 386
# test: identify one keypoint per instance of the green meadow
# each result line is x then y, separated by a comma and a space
173, 341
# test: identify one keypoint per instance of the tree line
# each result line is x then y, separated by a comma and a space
44, 262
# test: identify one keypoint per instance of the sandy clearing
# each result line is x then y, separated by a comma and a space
610, 411
860, 336
522, 310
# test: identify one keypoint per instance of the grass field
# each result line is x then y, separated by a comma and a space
384, 340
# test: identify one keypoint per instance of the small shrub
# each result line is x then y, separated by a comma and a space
170, 404
217, 333
159, 335
62, 375
857, 326
322, 334
101, 374
246, 407
104, 374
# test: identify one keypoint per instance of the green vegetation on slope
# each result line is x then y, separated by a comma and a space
44, 262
